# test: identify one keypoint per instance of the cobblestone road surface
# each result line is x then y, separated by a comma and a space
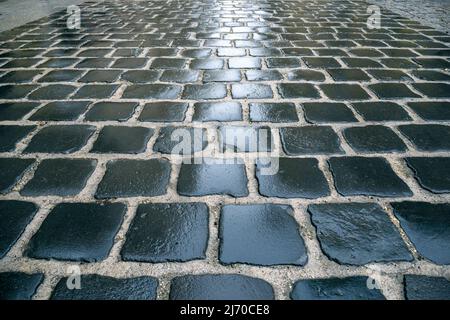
359, 208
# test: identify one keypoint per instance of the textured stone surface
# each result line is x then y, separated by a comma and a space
11, 171
310, 140
96, 287
357, 233
11, 135
217, 111
167, 232
232, 286
181, 140
77, 232
260, 235
113, 139
373, 139
432, 174
19, 286
426, 288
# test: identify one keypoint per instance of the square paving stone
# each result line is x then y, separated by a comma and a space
16, 91
59, 177
94, 63
315, 62
428, 137
129, 63
381, 111
204, 91
18, 285
392, 91
326, 112
283, 63
61, 76
351, 288
200, 179
348, 75
294, 178
164, 112
245, 139
111, 111
15, 110
168, 63
297, 90
151, 91
389, 75
101, 76
265, 234
114, 139
167, 232
60, 139
217, 111
427, 225
273, 112
77, 232
222, 76
180, 76
432, 174
140, 76
52, 92
310, 140
96, 287
361, 63
426, 288
20, 76
429, 110
263, 75
430, 75
244, 63
134, 178
207, 64
181, 140
230, 52
343, 91
11, 171
433, 89
95, 91
305, 75
11, 135
366, 176
15, 216
232, 286
251, 91
60, 111
373, 139
196, 53
357, 233
61, 63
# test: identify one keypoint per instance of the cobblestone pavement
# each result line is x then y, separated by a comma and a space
434, 13
359, 208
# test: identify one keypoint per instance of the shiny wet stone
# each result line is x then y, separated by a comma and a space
392, 91
95, 91
251, 91
245, 139
217, 111
59, 177
297, 90
222, 76
201, 179
107, 76
260, 235
11, 171
381, 111
357, 233
204, 91
111, 111
18, 285
343, 91
180, 76
15, 91
432, 174
61, 111
151, 91
181, 140
96, 287
426, 288
351, 288
244, 63
305, 75
433, 89
52, 92
15, 110
232, 286
373, 138
428, 137
327, 112
114, 139
163, 232
348, 75
20, 76
433, 111
77, 232
263, 75
310, 140
140, 76
134, 178
273, 112
366, 176
60, 139
427, 225
15, 216
11, 135
291, 178
164, 112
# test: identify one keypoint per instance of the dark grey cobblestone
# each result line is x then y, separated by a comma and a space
358, 118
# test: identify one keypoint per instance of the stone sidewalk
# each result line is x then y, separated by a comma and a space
358, 123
